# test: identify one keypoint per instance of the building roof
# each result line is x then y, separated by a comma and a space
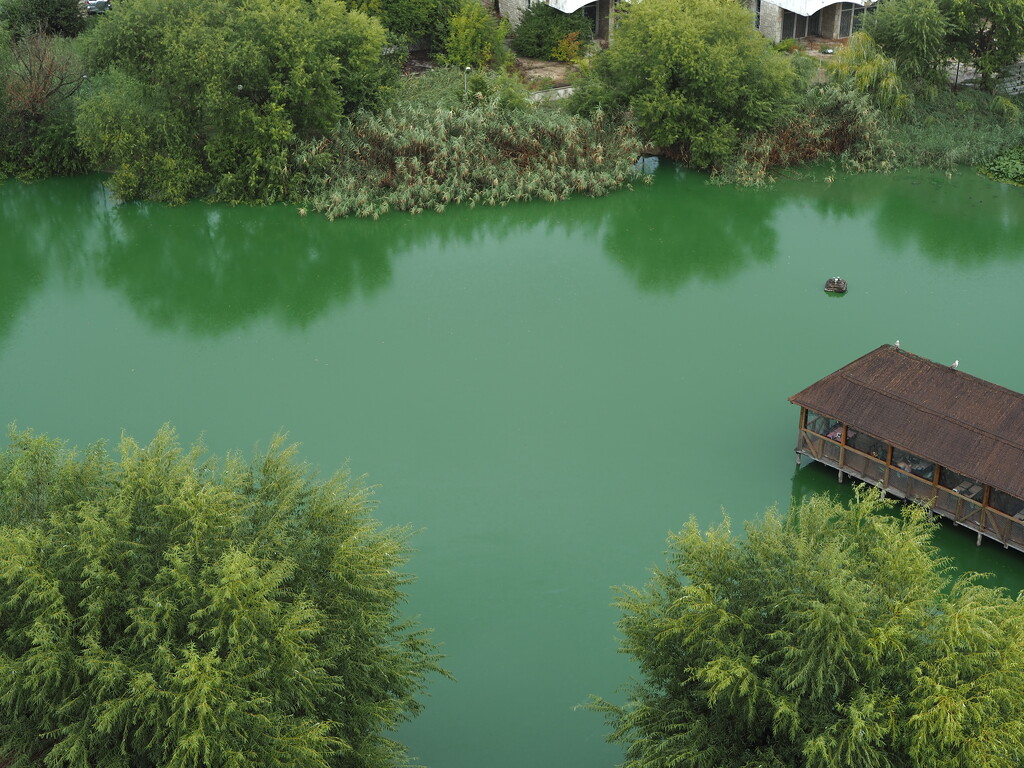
946, 416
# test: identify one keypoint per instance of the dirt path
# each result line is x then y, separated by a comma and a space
547, 74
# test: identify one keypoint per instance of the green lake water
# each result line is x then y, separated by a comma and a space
542, 391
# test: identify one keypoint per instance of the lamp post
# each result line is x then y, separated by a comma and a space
465, 82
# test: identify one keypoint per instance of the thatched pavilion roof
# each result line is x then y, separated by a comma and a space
946, 416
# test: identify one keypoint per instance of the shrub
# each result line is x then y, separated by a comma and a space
409, 20
475, 38
1007, 167
569, 48
51, 17
542, 28
836, 123
789, 45
39, 77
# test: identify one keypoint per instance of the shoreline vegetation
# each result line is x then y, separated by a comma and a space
304, 101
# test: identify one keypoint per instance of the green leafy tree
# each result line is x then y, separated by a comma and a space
863, 67
166, 610
475, 38
695, 74
912, 33
988, 34
542, 27
831, 637
39, 77
207, 99
51, 17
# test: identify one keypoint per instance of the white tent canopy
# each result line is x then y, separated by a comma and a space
802, 7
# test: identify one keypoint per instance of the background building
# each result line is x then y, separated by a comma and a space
800, 19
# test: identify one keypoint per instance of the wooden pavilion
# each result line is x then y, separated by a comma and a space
924, 432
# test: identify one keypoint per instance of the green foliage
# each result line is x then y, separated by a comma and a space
789, 45
912, 33
409, 19
491, 151
166, 610
569, 48
542, 28
695, 74
475, 38
988, 34
829, 638
953, 129
208, 99
836, 123
865, 68
1007, 167
39, 77
50, 17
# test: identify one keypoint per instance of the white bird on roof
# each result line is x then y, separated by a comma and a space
955, 364
897, 343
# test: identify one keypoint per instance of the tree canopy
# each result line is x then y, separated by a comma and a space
830, 637
206, 99
988, 34
163, 609
695, 74
913, 34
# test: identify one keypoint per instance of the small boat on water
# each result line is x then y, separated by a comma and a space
835, 285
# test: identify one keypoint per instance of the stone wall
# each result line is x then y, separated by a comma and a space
512, 10
770, 23
829, 21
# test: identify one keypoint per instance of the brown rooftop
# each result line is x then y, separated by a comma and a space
946, 416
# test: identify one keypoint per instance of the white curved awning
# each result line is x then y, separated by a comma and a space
803, 7
568, 6
809, 7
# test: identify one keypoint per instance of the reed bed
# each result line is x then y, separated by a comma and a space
416, 158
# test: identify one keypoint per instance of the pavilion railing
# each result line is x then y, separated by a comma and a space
964, 505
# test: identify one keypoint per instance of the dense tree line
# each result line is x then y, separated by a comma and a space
704, 87
227, 100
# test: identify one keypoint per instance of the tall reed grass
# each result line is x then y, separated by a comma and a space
415, 158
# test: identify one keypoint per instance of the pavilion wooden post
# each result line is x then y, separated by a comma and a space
842, 452
801, 435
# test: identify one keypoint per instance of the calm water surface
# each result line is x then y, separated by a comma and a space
542, 391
